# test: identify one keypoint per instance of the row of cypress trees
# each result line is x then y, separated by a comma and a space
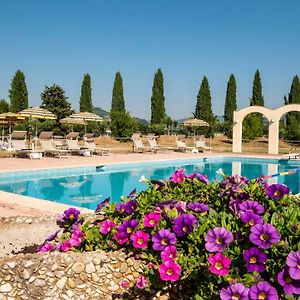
122, 124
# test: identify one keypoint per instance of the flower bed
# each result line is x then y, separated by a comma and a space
232, 239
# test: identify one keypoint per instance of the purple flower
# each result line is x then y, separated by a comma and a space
162, 239
236, 291
184, 224
102, 204
290, 285
157, 183
65, 246
218, 239
169, 253
70, 215
293, 261
127, 207
250, 218
254, 206
170, 204
140, 239
255, 260
277, 191
121, 238
169, 271
197, 207
178, 176
107, 226
264, 235
199, 176
232, 184
263, 290
142, 282
46, 247
132, 194
128, 226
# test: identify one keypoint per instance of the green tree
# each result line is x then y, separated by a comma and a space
293, 118
230, 105
18, 93
122, 124
85, 102
253, 126
55, 100
158, 111
203, 109
4, 106
118, 102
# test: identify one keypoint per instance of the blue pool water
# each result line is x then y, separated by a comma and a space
87, 186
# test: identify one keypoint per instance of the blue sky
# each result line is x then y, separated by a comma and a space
58, 41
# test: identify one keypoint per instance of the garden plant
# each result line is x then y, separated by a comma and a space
229, 239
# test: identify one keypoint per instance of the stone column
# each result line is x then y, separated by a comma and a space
273, 136
237, 135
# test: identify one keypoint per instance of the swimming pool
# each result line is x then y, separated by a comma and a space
86, 186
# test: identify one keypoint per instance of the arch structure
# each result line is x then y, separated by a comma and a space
273, 116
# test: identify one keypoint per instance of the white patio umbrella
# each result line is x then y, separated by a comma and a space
194, 123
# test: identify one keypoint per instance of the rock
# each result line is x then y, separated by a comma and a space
81, 286
83, 276
29, 264
40, 282
61, 282
123, 267
95, 277
90, 268
113, 288
25, 274
5, 288
71, 283
11, 264
31, 279
70, 293
78, 267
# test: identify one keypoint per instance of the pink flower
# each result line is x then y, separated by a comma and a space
178, 176
169, 253
142, 282
169, 271
107, 226
219, 264
125, 284
66, 246
152, 219
140, 239
121, 238
47, 247
76, 237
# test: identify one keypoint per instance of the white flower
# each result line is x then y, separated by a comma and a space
220, 172
143, 179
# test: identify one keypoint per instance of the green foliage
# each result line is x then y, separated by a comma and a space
118, 102
222, 198
158, 111
55, 100
85, 103
230, 105
122, 124
18, 93
4, 106
257, 96
203, 109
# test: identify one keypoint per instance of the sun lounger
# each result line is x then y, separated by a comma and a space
181, 146
75, 148
21, 149
200, 145
138, 145
49, 149
291, 155
90, 144
154, 146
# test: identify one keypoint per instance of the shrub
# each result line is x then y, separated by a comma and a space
233, 239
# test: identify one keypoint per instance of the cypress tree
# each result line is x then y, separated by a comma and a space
230, 105
85, 103
118, 102
257, 96
18, 93
158, 111
293, 118
203, 109
4, 106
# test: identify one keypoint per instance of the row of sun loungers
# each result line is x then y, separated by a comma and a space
138, 145
48, 146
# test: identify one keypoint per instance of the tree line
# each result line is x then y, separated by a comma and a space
122, 124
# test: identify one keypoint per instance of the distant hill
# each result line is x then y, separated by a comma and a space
103, 113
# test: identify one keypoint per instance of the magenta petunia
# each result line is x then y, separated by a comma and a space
121, 238
140, 239
201, 177
264, 235
76, 237
169, 253
236, 291
163, 238
219, 264
169, 271
142, 282
47, 247
107, 226
127, 207
218, 239
178, 176
277, 191
250, 218
184, 224
263, 290
65, 246
293, 261
291, 286
253, 206
151, 219
255, 260
197, 207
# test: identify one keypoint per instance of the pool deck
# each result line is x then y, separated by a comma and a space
16, 205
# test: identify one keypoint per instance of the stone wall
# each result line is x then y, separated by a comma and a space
51, 276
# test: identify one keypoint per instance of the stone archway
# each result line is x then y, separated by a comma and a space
273, 116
